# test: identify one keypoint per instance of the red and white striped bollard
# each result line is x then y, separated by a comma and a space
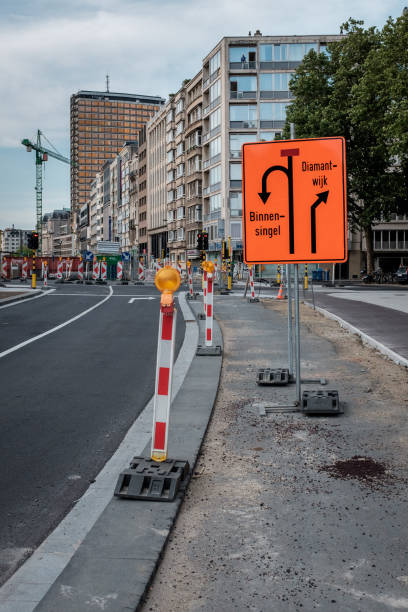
81, 270
119, 270
95, 270
4, 268
209, 310
190, 280
45, 275
60, 267
251, 282
167, 280
24, 269
141, 271
104, 270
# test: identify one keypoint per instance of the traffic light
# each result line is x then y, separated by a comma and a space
32, 240
205, 241
225, 253
199, 245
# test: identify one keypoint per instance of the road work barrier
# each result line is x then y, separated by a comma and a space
209, 348
4, 268
45, 275
119, 270
60, 267
104, 270
141, 273
24, 269
81, 270
280, 295
251, 284
95, 270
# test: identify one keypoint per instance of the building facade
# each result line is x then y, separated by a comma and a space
156, 185
101, 122
13, 240
54, 225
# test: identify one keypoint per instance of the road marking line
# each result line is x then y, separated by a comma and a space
140, 298
25, 300
54, 329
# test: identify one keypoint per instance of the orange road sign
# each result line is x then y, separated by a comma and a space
294, 198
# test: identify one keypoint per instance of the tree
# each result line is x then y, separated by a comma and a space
337, 95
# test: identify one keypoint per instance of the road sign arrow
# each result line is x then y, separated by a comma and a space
321, 197
264, 195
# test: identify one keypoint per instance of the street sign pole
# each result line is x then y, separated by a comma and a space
290, 326
297, 337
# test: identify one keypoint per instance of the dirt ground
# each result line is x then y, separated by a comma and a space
9, 294
287, 513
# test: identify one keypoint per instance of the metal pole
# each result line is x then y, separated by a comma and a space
292, 130
290, 327
297, 334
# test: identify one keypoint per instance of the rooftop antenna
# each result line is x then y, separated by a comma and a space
107, 83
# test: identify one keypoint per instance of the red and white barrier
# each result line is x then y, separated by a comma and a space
141, 271
4, 268
178, 268
190, 281
45, 275
209, 310
104, 270
95, 270
215, 270
43, 264
60, 267
251, 282
81, 270
164, 379
205, 290
119, 270
24, 269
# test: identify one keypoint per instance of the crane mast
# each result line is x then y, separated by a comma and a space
41, 155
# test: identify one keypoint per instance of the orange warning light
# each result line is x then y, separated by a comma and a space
294, 201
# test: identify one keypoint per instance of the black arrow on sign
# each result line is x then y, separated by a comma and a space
321, 197
264, 195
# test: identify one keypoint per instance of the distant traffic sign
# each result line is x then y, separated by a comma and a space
294, 198
126, 256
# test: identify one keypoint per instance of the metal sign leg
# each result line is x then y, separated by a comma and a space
290, 328
297, 336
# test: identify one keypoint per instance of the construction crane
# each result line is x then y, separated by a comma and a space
41, 155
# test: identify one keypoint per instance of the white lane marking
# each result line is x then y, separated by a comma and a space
54, 329
28, 585
25, 300
141, 298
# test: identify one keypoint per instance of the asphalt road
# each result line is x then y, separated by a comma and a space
67, 400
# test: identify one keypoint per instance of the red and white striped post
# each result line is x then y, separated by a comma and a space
4, 268
167, 280
95, 270
81, 270
141, 273
178, 267
104, 270
215, 270
24, 269
119, 270
205, 289
210, 304
251, 281
45, 275
60, 267
190, 279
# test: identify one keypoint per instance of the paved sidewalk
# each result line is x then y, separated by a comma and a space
288, 512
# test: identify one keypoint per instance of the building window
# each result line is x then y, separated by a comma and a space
235, 175
273, 111
170, 176
243, 115
180, 191
180, 170
293, 52
180, 106
170, 196
215, 203
279, 81
180, 233
236, 204
170, 116
236, 230
215, 146
242, 54
236, 142
180, 149
243, 87
215, 62
170, 156
215, 119
179, 128
215, 90
215, 175
267, 136
181, 212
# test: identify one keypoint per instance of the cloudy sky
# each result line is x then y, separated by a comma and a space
50, 49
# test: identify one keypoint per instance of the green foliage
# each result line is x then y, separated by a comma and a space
359, 91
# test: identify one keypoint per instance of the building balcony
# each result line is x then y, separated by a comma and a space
243, 66
242, 95
213, 216
244, 125
208, 135
212, 105
276, 95
210, 162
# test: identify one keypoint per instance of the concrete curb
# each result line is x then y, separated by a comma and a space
398, 359
114, 565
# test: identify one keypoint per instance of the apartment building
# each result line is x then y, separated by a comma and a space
96, 211
139, 178
54, 224
101, 122
13, 239
157, 160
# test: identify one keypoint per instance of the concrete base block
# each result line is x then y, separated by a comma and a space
201, 316
253, 300
210, 351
